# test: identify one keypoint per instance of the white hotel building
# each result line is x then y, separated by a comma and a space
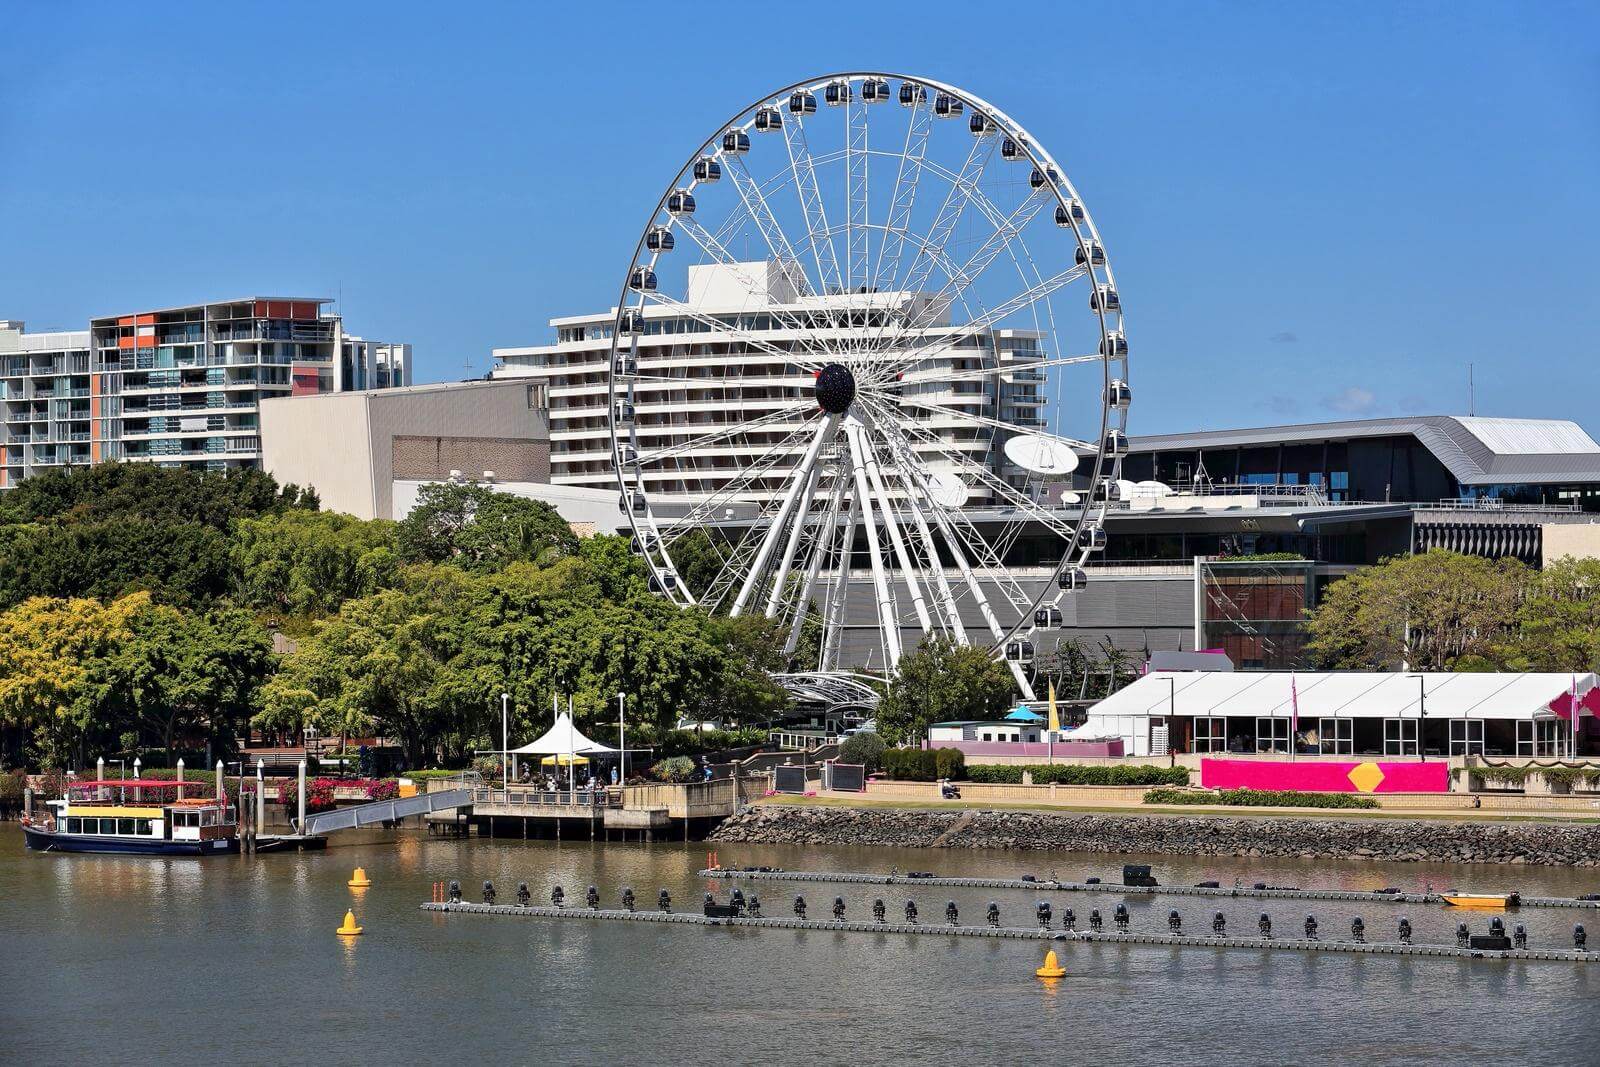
718, 382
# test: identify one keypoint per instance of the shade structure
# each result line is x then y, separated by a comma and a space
563, 739
1024, 715
564, 760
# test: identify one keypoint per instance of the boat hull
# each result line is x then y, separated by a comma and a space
49, 841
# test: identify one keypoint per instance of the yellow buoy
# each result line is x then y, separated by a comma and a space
1052, 967
349, 929
359, 880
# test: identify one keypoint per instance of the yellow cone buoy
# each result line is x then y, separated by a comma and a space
349, 929
359, 880
1052, 967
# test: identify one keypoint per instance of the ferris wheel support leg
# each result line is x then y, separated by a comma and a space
947, 599
770, 541
918, 604
833, 621
887, 622
820, 547
786, 561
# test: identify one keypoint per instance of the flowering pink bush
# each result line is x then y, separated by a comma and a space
382, 789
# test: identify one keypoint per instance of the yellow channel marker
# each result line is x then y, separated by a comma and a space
1052, 967
359, 879
349, 929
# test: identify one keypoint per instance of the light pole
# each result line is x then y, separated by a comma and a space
505, 740
1172, 715
1422, 717
622, 740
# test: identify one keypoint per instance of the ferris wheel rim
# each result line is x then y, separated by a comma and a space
1087, 238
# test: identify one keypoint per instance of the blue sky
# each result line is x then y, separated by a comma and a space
1314, 211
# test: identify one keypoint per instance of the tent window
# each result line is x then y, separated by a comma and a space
1336, 737
1400, 737
1211, 734
1466, 737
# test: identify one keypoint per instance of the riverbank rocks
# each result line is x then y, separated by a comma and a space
1405, 840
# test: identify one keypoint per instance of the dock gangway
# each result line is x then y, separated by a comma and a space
380, 811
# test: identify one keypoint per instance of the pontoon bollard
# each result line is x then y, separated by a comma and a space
523, 896
1175, 921
1096, 924
755, 906
878, 911
911, 911
455, 892
1120, 917
592, 898
1069, 921
558, 897
1042, 910
664, 901
488, 892
1358, 930
1580, 938
1311, 927
1264, 924
800, 907
994, 914
1219, 924
838, 909
1497, 927
950, 914
627, 897
1463, 935
1519, 936
736, 898
1405, 930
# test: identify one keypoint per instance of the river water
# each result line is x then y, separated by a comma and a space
234, 960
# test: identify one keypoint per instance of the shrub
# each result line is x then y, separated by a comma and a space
1081, 774
674, 769
383, 789
911, 764
950, 763
865, 748
1259, 798
12, 784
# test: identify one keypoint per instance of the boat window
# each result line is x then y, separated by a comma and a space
73, 826
147, 827
108, 826
124, 826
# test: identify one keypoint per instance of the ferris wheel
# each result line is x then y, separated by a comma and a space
868, 376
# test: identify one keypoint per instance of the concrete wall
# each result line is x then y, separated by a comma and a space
1581, 540
344, 444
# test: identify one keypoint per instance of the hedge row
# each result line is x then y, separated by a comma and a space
1259, 798
1084, 774
923, 764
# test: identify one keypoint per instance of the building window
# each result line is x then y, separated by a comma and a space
1399, 737
1211, 734
1272, 735
1466, 737
1336, 737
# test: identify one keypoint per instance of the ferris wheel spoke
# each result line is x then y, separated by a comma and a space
943, 228
858, 240
957, 412
804, 169
759, 468
907, 180
755, 202
801, 481
937, 376
899, 360
727, 334
797, 531
892, 527
839, 589
769, 420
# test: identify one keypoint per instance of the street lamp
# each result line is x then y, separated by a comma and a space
505, 740
1422, 717
622, 739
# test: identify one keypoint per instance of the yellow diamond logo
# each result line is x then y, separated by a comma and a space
1366, 776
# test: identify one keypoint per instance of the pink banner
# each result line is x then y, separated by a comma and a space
1316, 776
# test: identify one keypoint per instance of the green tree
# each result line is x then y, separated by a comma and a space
307, 563
1426, 611
1557, 625
941, 681
146, 491
475, 527
183, 563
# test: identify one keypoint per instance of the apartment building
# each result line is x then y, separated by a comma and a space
175, 386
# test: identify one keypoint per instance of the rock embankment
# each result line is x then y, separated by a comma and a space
1177, 835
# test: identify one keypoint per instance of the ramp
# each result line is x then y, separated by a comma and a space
324, 822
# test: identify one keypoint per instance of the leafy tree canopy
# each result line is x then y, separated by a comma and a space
146, 491
301, 562
183, 563
941, 681
475, 527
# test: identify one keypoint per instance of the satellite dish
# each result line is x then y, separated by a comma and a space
1070, 497
1125, 489
947, 490
1152, 489
1041, 455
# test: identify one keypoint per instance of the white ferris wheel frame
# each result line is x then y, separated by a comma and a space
869, 480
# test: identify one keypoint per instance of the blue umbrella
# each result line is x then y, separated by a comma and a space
1022, 714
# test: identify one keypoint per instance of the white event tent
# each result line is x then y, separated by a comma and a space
565, 742
1347, 713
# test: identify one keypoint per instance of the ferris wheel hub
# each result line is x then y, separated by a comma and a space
835, 388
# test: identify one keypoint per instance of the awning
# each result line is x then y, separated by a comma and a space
564, 760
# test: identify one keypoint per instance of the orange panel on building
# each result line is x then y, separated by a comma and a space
279, 309
126, 342
126, 320
146, 320
305, 309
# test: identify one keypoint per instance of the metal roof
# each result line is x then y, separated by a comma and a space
1476, 451
1340, 694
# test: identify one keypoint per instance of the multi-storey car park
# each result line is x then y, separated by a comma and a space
180, 386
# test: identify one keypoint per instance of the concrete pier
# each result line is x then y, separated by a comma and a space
1017, 933
1269, 893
